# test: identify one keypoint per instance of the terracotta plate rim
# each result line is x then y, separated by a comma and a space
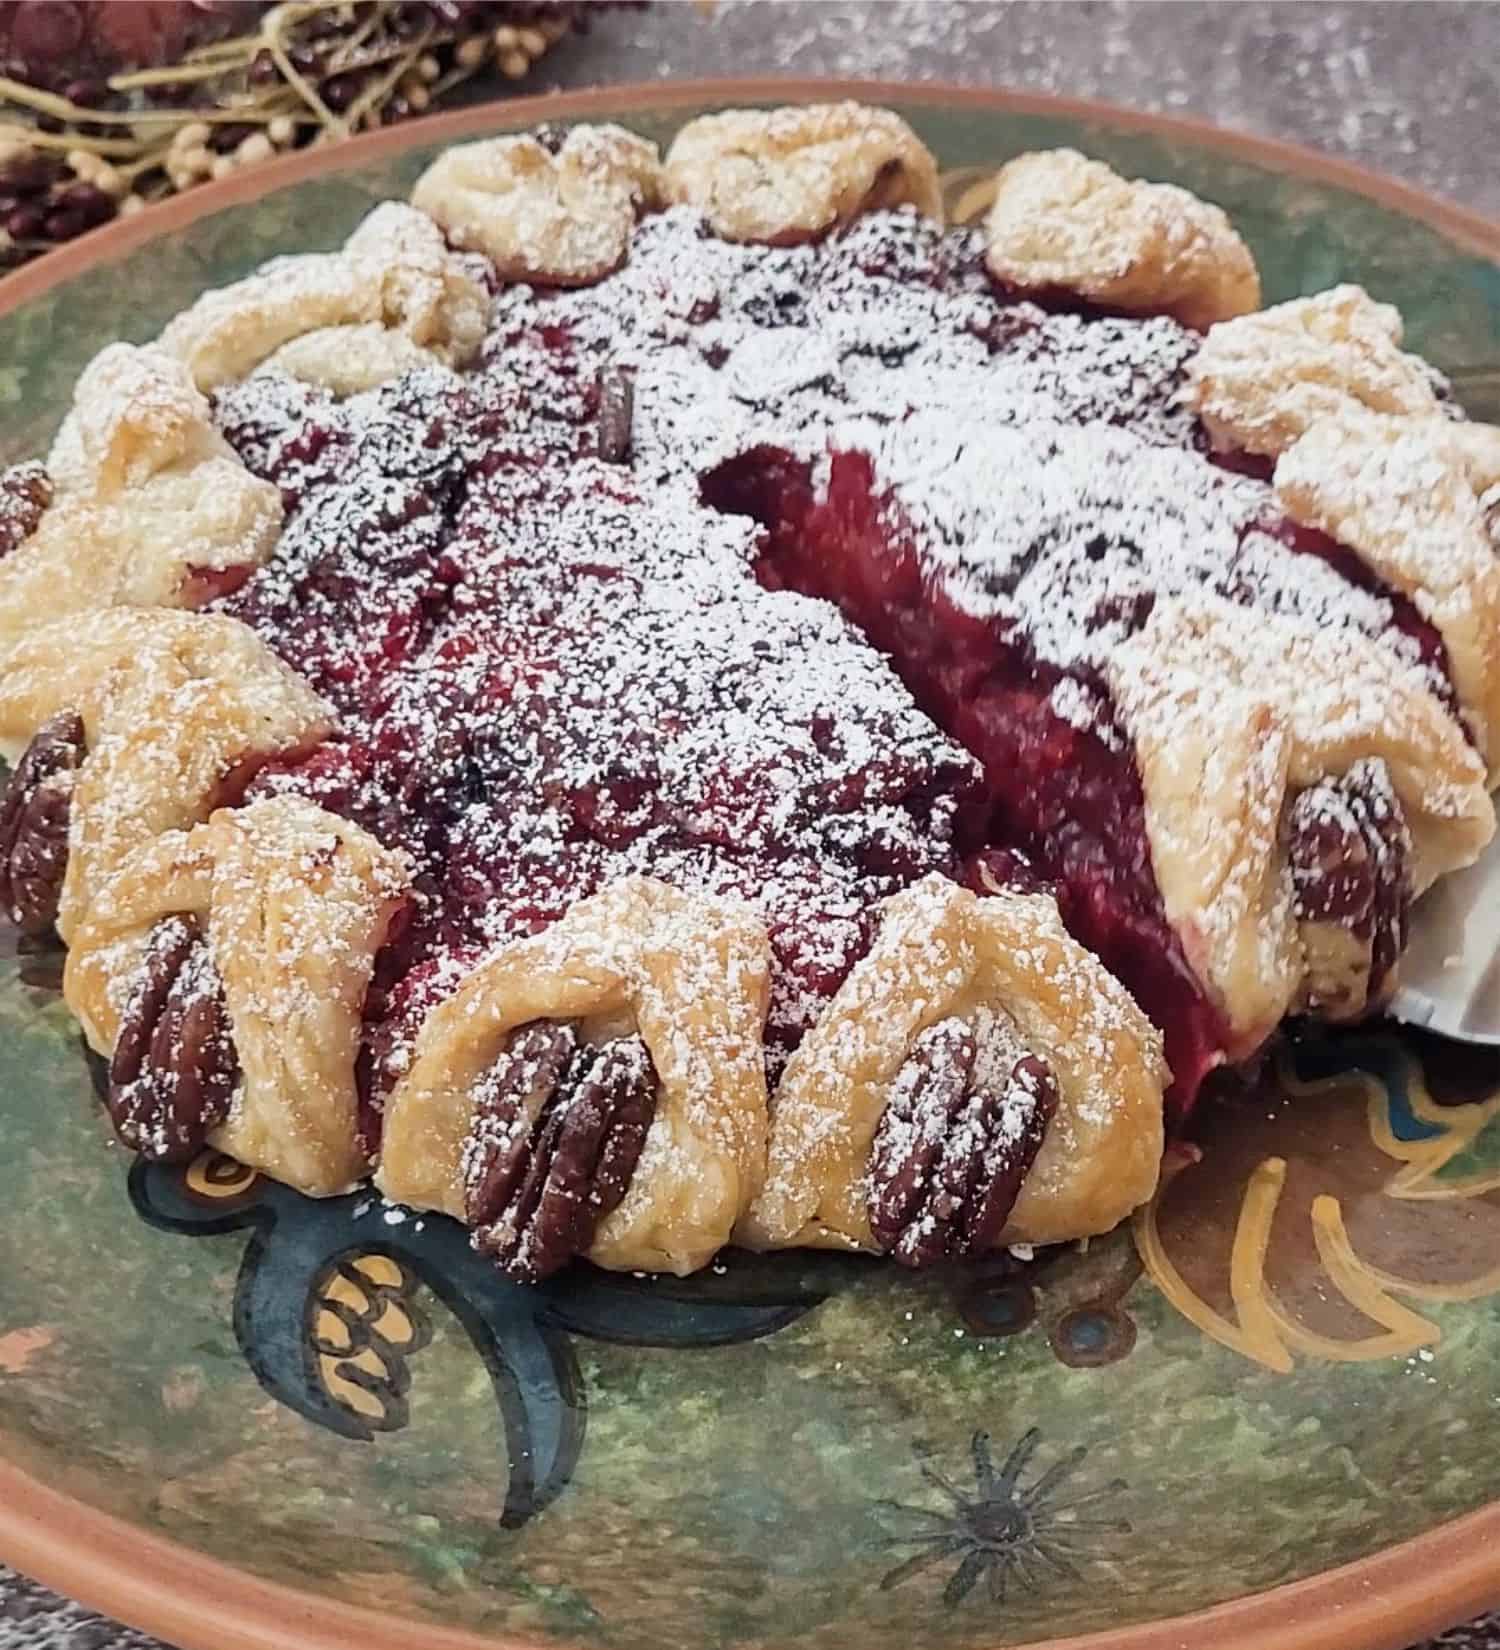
1382, 1602
1471, 230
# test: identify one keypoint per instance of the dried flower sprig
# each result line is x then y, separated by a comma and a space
106, 107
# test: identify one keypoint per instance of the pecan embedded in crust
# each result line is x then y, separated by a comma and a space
558, 1130
25, 493
174, 1070
953, 1146
34, 818
1350, 854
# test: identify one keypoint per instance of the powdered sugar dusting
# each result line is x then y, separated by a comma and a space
1400, 491
1047, 465
600, 685
557, 671
916, 1122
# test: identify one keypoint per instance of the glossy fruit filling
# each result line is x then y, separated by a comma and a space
1058, 796
549, 680
1063, 802
867, 515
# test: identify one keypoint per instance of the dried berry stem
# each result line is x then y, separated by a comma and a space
273, 34
180, 74
302, 71
382, 88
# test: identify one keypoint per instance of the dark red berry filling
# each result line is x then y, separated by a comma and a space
581, 607
1069, 804
549, 680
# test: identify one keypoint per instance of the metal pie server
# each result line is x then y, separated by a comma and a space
1450, 972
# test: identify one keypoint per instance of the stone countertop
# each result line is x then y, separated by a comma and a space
1411, 89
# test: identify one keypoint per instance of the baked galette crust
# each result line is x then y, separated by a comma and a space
392, 297
1233, 712
562, 218
1266, 746
1061, 222
178, 711
783, 176
348, 359
1260, 381
295, 902
943, 952
1404, 492
152, 508
1367, 453
686, 973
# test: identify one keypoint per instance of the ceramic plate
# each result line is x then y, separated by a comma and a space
243, 1419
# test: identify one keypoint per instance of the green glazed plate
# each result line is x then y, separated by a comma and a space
244, 1419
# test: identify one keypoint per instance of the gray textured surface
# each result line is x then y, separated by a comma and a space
1408, 89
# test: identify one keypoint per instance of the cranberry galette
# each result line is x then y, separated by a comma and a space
651, 703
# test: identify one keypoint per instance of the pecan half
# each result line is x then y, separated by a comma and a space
25, 493
175, 1068
35, 813
954, 1145
615, 415
558, 1130
1350, 854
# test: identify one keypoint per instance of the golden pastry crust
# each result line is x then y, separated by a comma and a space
943, 952
1062, 222
135, 415
152, 507
296, 903
1405, 493
1213, 758
562, 219
1234, 711
1478, 445
688, 974
348, 359
784, 176
392, 297
1233, 715
178, 710
1259, 382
